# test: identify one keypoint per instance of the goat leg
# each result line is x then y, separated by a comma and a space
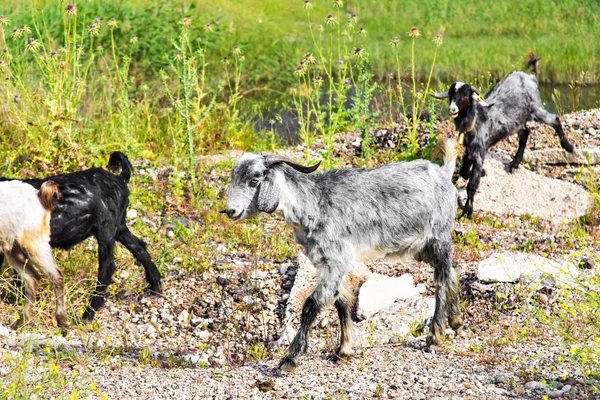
343, 305
523, 136
137, 247
106, 269
310, 310
327, 288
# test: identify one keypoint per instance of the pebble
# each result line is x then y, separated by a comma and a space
535, 385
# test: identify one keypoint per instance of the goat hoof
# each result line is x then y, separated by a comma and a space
18, 324
567, 146
456, 323
338, 356
89, 315
154, 290
432, 340
287, 365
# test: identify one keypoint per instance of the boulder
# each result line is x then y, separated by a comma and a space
524, 192
380, 292
558, 156
513, 267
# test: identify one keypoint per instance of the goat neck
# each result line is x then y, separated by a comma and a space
467, 119
298, 195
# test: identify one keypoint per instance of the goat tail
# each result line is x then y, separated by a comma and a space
447, 149
120, 161
46, 194
532, 63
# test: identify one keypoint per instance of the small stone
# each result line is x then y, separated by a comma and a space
132, 213
170, 233
192, 358
258, 274
535, 385
555, 394
566, 388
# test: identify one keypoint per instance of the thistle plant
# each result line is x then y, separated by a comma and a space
326, 74
419, 95
189, 67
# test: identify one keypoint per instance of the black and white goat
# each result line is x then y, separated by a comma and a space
24, 238
348, 215
94, 203
507, 108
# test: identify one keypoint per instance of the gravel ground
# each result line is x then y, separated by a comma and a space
199, 338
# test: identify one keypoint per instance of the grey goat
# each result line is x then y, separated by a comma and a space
347, 215
508, 107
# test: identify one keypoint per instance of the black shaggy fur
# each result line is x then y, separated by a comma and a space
94, 203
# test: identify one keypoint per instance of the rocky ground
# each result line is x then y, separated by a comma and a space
219, 334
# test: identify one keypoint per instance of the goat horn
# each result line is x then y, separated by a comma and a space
483, 103
443, 95
475, 90
272, 160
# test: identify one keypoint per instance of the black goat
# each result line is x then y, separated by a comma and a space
508, 107
94, 203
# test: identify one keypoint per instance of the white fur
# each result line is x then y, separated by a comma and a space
20, 212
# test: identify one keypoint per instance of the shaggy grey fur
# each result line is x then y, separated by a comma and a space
507, 108
348, 215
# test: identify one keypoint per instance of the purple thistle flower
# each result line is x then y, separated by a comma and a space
42, 54
299, 68
308, 55
341, 62
346, 81
30, 40
329, 16
361, 29
357, 50
98, 20
318, 77
53, 52
78, 46
175, 98
21, 26
70, 6
14, 30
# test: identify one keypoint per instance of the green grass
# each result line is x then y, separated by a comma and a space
479, 36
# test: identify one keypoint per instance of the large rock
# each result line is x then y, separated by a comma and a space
557, 156
525, 192
513, 267
380, 292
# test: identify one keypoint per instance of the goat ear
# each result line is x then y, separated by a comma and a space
268, 195
443, 95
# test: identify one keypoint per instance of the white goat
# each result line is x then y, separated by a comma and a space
25, 239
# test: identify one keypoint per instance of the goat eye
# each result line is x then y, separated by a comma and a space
253, 182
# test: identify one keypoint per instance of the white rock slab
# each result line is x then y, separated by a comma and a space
558, 156
512, 267
380, 292
525, 192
